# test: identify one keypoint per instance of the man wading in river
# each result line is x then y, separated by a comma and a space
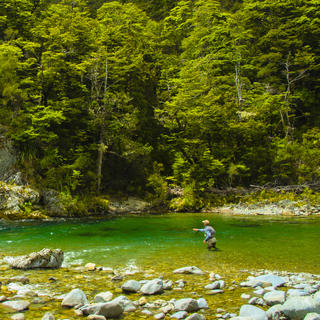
209, 233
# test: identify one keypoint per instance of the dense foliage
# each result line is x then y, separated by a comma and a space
144, 97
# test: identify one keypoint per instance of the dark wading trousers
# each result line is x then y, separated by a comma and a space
211, 243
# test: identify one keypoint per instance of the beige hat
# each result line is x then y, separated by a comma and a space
205, 221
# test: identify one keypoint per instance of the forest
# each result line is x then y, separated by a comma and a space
161, 97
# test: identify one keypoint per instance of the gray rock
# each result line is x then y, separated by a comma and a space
152, 287
202, 303
18, 316
96, 317
317, 296
131, 205
103, 297
252, 312
275, 280
274, 297
299, 307
52, 202
241, 318
110, 309
189, 270
259, 292
131, 286
48, 316
214, 285
216, 291
147, 312
74, 298
195, 316
46, 258
179, 315
19, 305
312, 316
186, 304
245, 296
274, 312
167, 284
127, 304
159, 316
22, 279
297, 293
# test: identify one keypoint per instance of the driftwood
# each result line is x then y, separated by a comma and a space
268, 187
289, 188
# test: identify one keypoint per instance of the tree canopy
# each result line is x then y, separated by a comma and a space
136, 96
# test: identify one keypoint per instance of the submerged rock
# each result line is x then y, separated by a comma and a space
252, 312
152, 287
18, 305
74, 298
112, 309
48, 316
131, 286
186, 304
189, 270
299, 307
46, 258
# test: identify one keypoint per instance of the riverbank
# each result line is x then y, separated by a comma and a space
280, 208
73, 291
19, 202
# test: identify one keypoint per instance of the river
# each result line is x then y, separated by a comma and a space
167, 241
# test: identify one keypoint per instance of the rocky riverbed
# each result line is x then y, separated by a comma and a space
280, 208
100, 292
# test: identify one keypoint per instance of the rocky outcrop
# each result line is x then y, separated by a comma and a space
46, 258
14, 199
130, 205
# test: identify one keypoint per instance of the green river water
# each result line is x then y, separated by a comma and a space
157, 245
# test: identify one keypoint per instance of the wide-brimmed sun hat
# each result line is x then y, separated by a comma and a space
206, 221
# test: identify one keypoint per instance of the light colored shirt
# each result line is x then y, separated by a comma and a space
208, 231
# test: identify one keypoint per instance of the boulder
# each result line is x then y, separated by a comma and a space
96, 317
159, 316
215, 285
13, 198
179, 315
312, 316
275, 280
52, 203
186, 304
131, 286
253, 312
46, 258
103, 297
127, 304
110, 309
19, 305
152, 287
131, 205
202, 303
274, 297
48, 316
299, 307
274, 312
189, 270
195, 316
167, 284
74, 298
18, 316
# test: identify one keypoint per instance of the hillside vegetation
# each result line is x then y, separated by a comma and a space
162, 99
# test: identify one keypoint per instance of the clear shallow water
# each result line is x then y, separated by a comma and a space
165, 242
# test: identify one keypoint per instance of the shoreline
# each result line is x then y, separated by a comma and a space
218, 295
